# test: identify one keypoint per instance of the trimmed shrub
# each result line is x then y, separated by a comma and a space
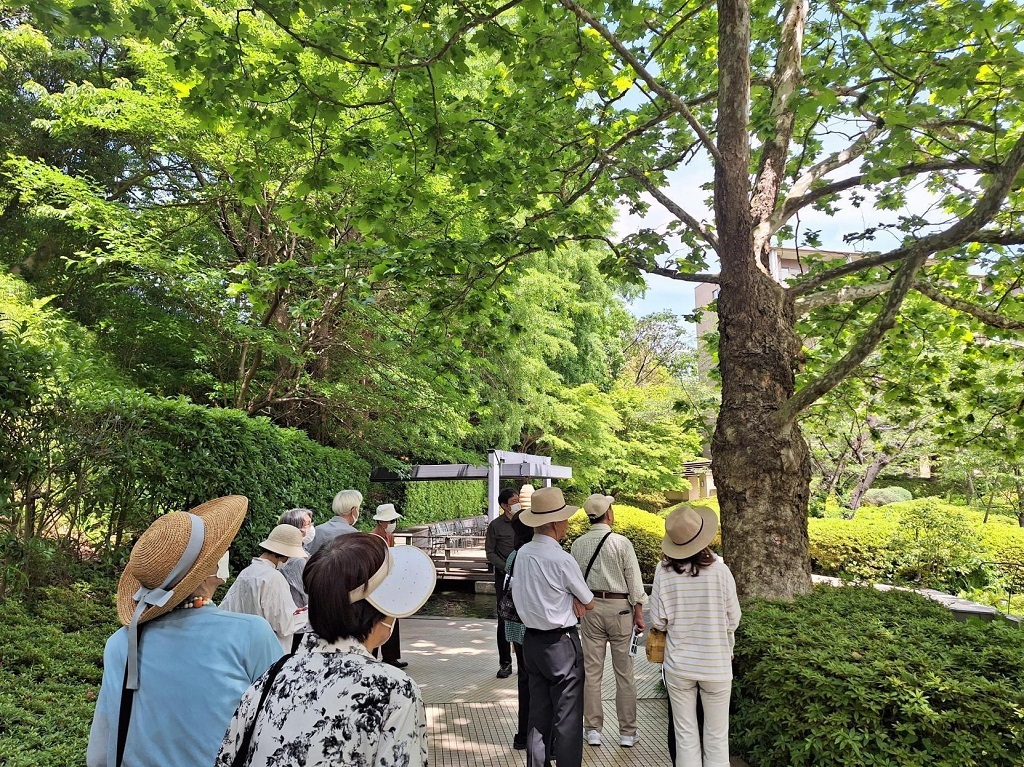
427, 502
883, 496
644, 530
853, 677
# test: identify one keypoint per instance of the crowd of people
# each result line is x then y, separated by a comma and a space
285, 671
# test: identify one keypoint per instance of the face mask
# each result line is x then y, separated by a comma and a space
391, 629
391, 527
222, 567
355, 519
309, 535
516, 508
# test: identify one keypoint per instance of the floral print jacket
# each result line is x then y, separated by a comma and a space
332, 704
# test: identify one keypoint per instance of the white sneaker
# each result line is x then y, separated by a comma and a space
627, 741
594, 737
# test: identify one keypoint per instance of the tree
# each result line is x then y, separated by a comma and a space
792, 106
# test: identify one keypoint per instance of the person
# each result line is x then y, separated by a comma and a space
292, 569
609, 565
550, 594
261, 590
498, 544
386, 518
514, 633
332, 703
181, 682
694, 600
346, 513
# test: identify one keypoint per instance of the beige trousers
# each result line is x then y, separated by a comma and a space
610, 622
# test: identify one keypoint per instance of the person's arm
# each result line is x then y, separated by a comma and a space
659, 617
491, 547
403, 737
583, 597
732, 607
278, 608
98, 753
634, 584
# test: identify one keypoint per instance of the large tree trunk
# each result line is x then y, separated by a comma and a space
762, 466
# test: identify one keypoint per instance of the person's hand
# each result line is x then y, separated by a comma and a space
578, 608
638, 623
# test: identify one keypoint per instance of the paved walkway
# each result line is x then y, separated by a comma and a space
471, 715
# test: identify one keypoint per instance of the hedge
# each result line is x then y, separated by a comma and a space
427, 502
852, 677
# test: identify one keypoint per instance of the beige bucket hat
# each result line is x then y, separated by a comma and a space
688, 530
285, 540
547, 505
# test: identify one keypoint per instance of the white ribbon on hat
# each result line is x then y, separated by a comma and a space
159, 596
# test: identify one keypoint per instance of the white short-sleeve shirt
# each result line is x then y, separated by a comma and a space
545, 579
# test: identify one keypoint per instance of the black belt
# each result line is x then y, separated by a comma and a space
610, 595
550, 632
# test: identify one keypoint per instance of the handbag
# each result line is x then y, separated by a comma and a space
506, 607
655, 645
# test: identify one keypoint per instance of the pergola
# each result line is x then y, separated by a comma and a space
501, 465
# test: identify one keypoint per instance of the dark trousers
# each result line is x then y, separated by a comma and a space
554, 663
504, 646
523, 682
391, 650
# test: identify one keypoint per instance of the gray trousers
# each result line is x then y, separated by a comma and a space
554, 662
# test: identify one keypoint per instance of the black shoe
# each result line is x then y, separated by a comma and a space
505, 671
519, 744
398, 663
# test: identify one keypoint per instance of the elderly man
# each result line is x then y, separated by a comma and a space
609, 565
346, 514
550, 594
498, 544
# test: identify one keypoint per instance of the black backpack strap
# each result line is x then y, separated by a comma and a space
594, 558
242, 754
124, 716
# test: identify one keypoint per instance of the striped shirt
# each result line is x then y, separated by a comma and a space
615, 568
701, 615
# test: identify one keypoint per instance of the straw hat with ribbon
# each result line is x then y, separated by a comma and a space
547, 505
169, 562
688, 531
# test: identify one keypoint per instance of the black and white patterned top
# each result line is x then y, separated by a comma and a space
332, 704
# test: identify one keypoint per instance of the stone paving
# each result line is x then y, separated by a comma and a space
471, 715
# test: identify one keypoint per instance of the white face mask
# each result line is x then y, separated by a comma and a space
391, 629
222, 567
515, 508
309, 535
391, 527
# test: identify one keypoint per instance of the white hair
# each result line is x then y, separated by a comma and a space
346, 500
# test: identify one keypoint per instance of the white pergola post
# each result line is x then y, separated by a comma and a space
493, 483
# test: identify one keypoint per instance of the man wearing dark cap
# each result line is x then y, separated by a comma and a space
550, 595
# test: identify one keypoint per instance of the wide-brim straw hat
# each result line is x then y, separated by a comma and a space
161, 546
689, 530
386, 513
285, 540
597, 505
401, 585
547, 505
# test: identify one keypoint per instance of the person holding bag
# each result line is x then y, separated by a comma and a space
333, 703
694, 601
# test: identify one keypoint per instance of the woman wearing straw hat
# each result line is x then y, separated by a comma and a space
167, 699
694, 600
387, 520
261, 590
332, 703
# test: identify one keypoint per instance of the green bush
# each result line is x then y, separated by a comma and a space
50, 670
644, 530
427, 502
853, 677
883, 496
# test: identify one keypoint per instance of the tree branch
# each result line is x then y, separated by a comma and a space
626, 55
672, 207
987, 316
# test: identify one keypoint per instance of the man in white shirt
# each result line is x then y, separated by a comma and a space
261, 590
550, 595
609, 566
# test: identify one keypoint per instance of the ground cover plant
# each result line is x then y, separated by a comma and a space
853, 677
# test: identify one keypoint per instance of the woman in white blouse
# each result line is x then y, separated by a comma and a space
694, 600
332, 702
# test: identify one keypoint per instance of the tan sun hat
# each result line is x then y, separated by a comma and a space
285, 540
547, 505
688, 531
175, 554
597, 505
386, 513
